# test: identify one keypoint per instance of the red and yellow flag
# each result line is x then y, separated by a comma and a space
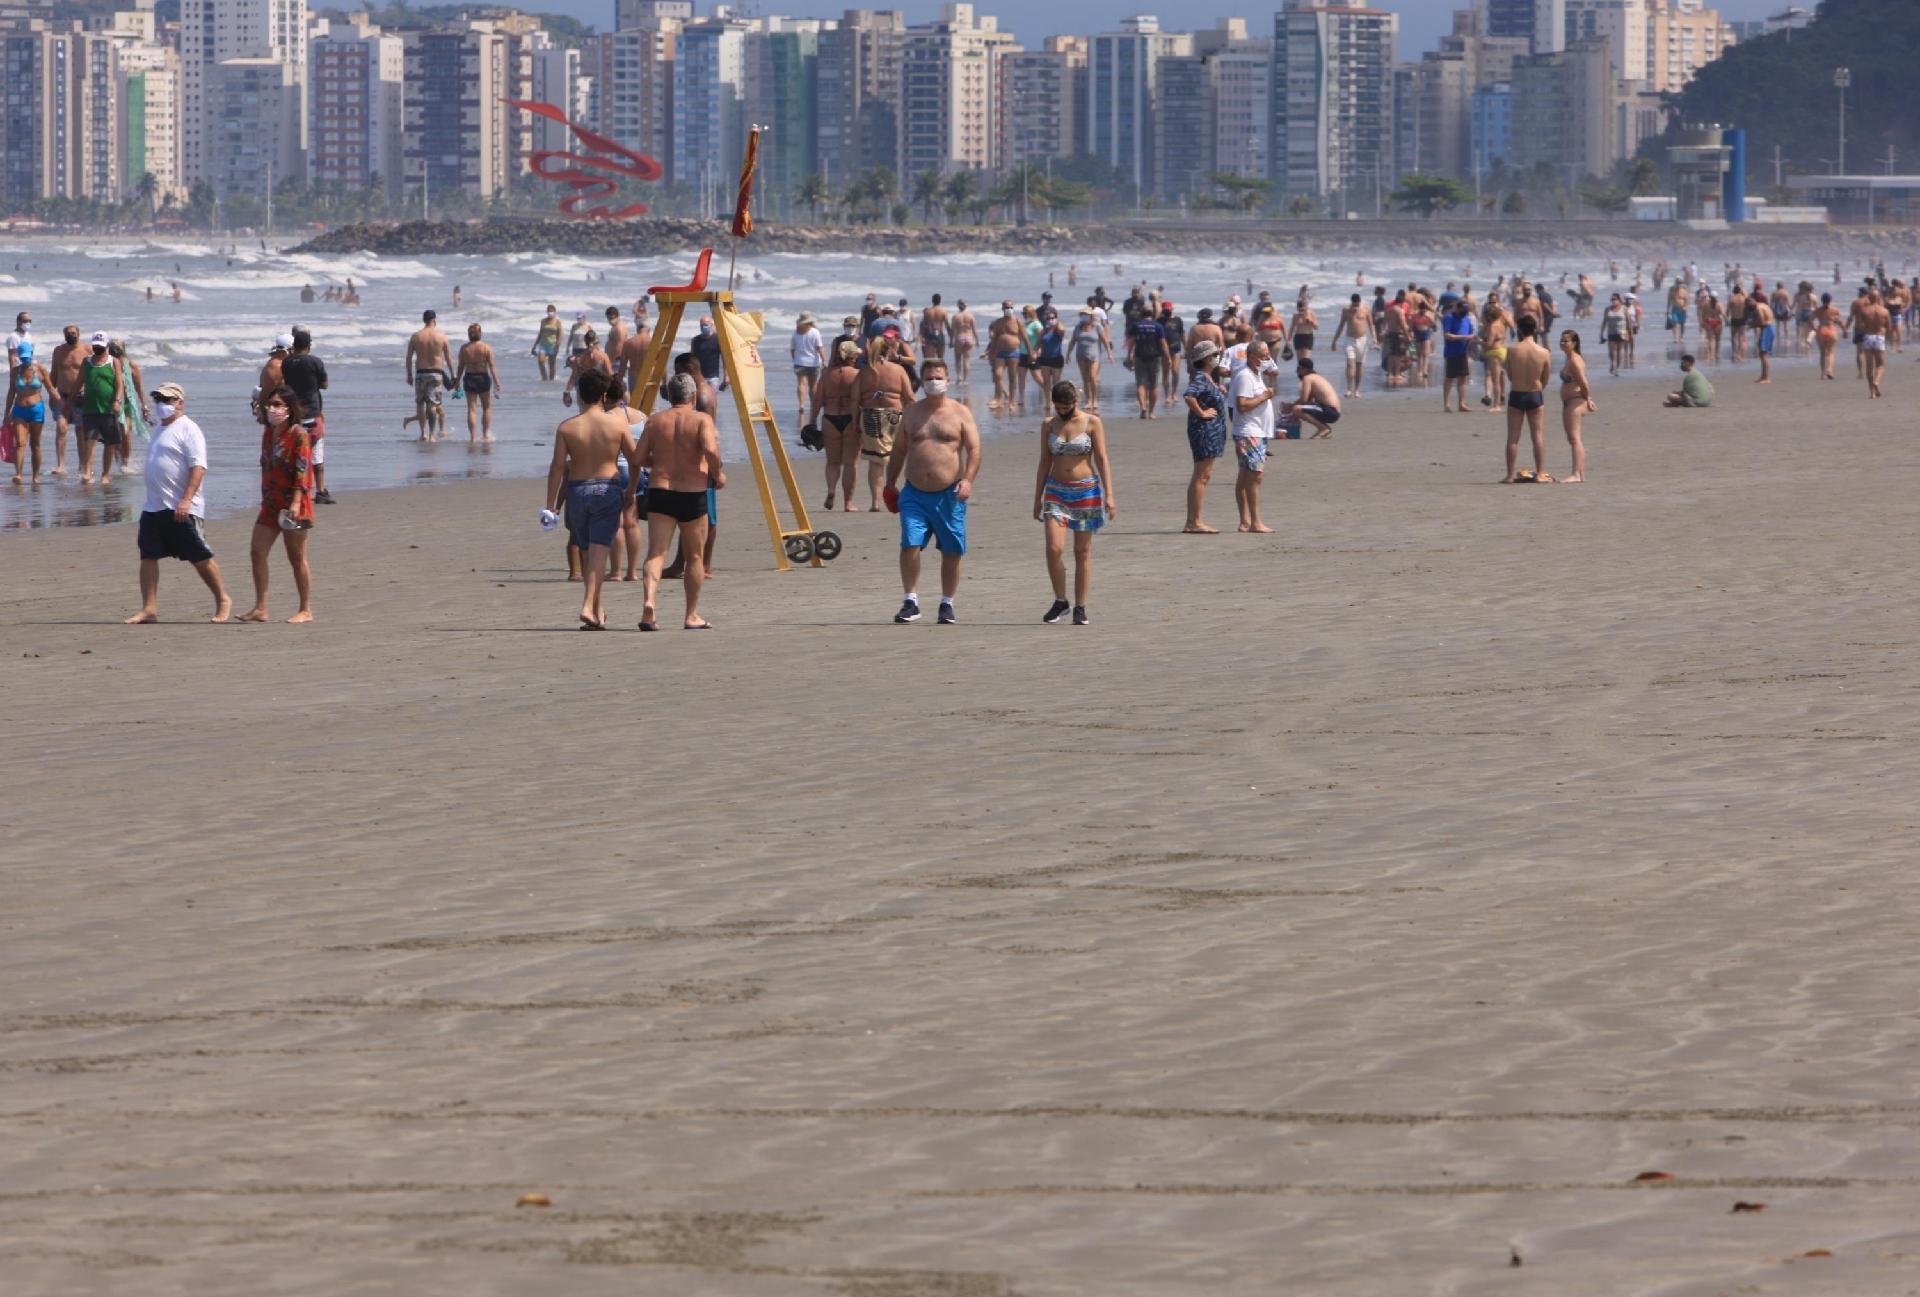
742, 213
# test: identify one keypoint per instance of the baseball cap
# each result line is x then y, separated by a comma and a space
283, 341
99, 340
169, 392
850, 322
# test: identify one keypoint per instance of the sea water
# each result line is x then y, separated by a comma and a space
235, 297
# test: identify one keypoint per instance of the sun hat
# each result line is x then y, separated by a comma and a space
805, 321
1203, 351
169, 392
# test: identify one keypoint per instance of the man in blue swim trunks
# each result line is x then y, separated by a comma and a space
585, 477
938, 448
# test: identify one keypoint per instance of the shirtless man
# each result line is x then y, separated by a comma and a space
616, 338
1764, 334
1005, 341
882, 391
630, 362
1874, 321
584, 477
836, 401
1317, 404
933, 329
939, 449
1737, 321
1356, 326
64, 370
270, 374
680, 452
480, 382
1204, 330
1528, 365
429, 370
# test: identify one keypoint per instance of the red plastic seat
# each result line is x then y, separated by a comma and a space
699, 283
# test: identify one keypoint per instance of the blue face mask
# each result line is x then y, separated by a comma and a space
705, 329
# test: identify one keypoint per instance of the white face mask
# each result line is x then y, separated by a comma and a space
935, 387
1007, 311
276, 415
165, 409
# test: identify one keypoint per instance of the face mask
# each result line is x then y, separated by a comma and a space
936, 387
165, 409
705, 329
1008, 312
276, 416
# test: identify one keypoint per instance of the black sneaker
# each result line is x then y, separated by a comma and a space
1080, 617
323, 497
947, 615
909, 611
1056, 612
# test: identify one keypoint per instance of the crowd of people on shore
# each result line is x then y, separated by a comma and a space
884, 393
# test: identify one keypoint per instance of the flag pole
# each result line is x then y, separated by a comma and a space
743, 201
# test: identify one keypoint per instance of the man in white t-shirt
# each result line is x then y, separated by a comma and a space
170, 519
1250, 394
21, 335
809, 358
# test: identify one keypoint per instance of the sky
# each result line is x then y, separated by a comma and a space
1422, 22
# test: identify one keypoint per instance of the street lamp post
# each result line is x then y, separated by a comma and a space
1842, 78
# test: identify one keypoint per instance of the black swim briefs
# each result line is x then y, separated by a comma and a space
681, 506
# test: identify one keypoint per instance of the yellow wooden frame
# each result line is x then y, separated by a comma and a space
673, 306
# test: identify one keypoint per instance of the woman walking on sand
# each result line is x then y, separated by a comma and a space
1576, 402
1494, 324
26, 412
1826, 332
286, 500
1713, 319
1072, 492
1613, 329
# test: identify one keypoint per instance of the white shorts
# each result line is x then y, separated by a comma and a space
319, 452
1873, 342
1357, 351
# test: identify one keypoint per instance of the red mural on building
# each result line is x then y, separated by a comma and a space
601, 153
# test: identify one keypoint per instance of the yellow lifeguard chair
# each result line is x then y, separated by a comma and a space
747, 381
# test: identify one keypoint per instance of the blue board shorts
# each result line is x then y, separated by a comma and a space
713, 507
1767, 336
939, 516
593, 510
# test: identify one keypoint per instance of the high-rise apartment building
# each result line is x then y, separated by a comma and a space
1242, 97
1567, 111
1182, 126
1123, 77
1623, 24
631, 76
709, 100
628, 14
1491, 141
559, 79
355, 107
214, 31
1682, 38
1541, 23
1042, 97
1333, 98
456, 133
858, 93
783, 95
255, 124
41, 126
949, 93
1433, 99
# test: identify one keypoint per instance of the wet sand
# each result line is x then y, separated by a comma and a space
1347, 911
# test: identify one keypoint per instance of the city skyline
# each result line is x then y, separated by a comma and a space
1422, 22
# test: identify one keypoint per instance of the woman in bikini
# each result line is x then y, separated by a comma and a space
286, 500
1494, 324
26, 412
835, 403
1826, 332
1086, 354
1713, 319
1301, 328
1072, 492
480, 382
1614, 329
965, 339
1576, 402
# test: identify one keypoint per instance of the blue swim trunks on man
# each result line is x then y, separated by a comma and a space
939, 516
593, 510
1767, 336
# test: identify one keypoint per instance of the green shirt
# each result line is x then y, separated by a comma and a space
97, 387
1696, 388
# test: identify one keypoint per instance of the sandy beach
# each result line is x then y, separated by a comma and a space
1355, 910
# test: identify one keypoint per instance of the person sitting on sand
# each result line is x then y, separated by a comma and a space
1695, 393
680, 452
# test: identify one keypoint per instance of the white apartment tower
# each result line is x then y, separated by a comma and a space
1333, 99
354, 104
211, 33
950, 93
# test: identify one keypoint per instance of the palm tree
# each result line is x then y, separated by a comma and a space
961, 188
813, 194
927, 188
883, 185
147, 188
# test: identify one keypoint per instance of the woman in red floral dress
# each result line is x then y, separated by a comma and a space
286, 500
